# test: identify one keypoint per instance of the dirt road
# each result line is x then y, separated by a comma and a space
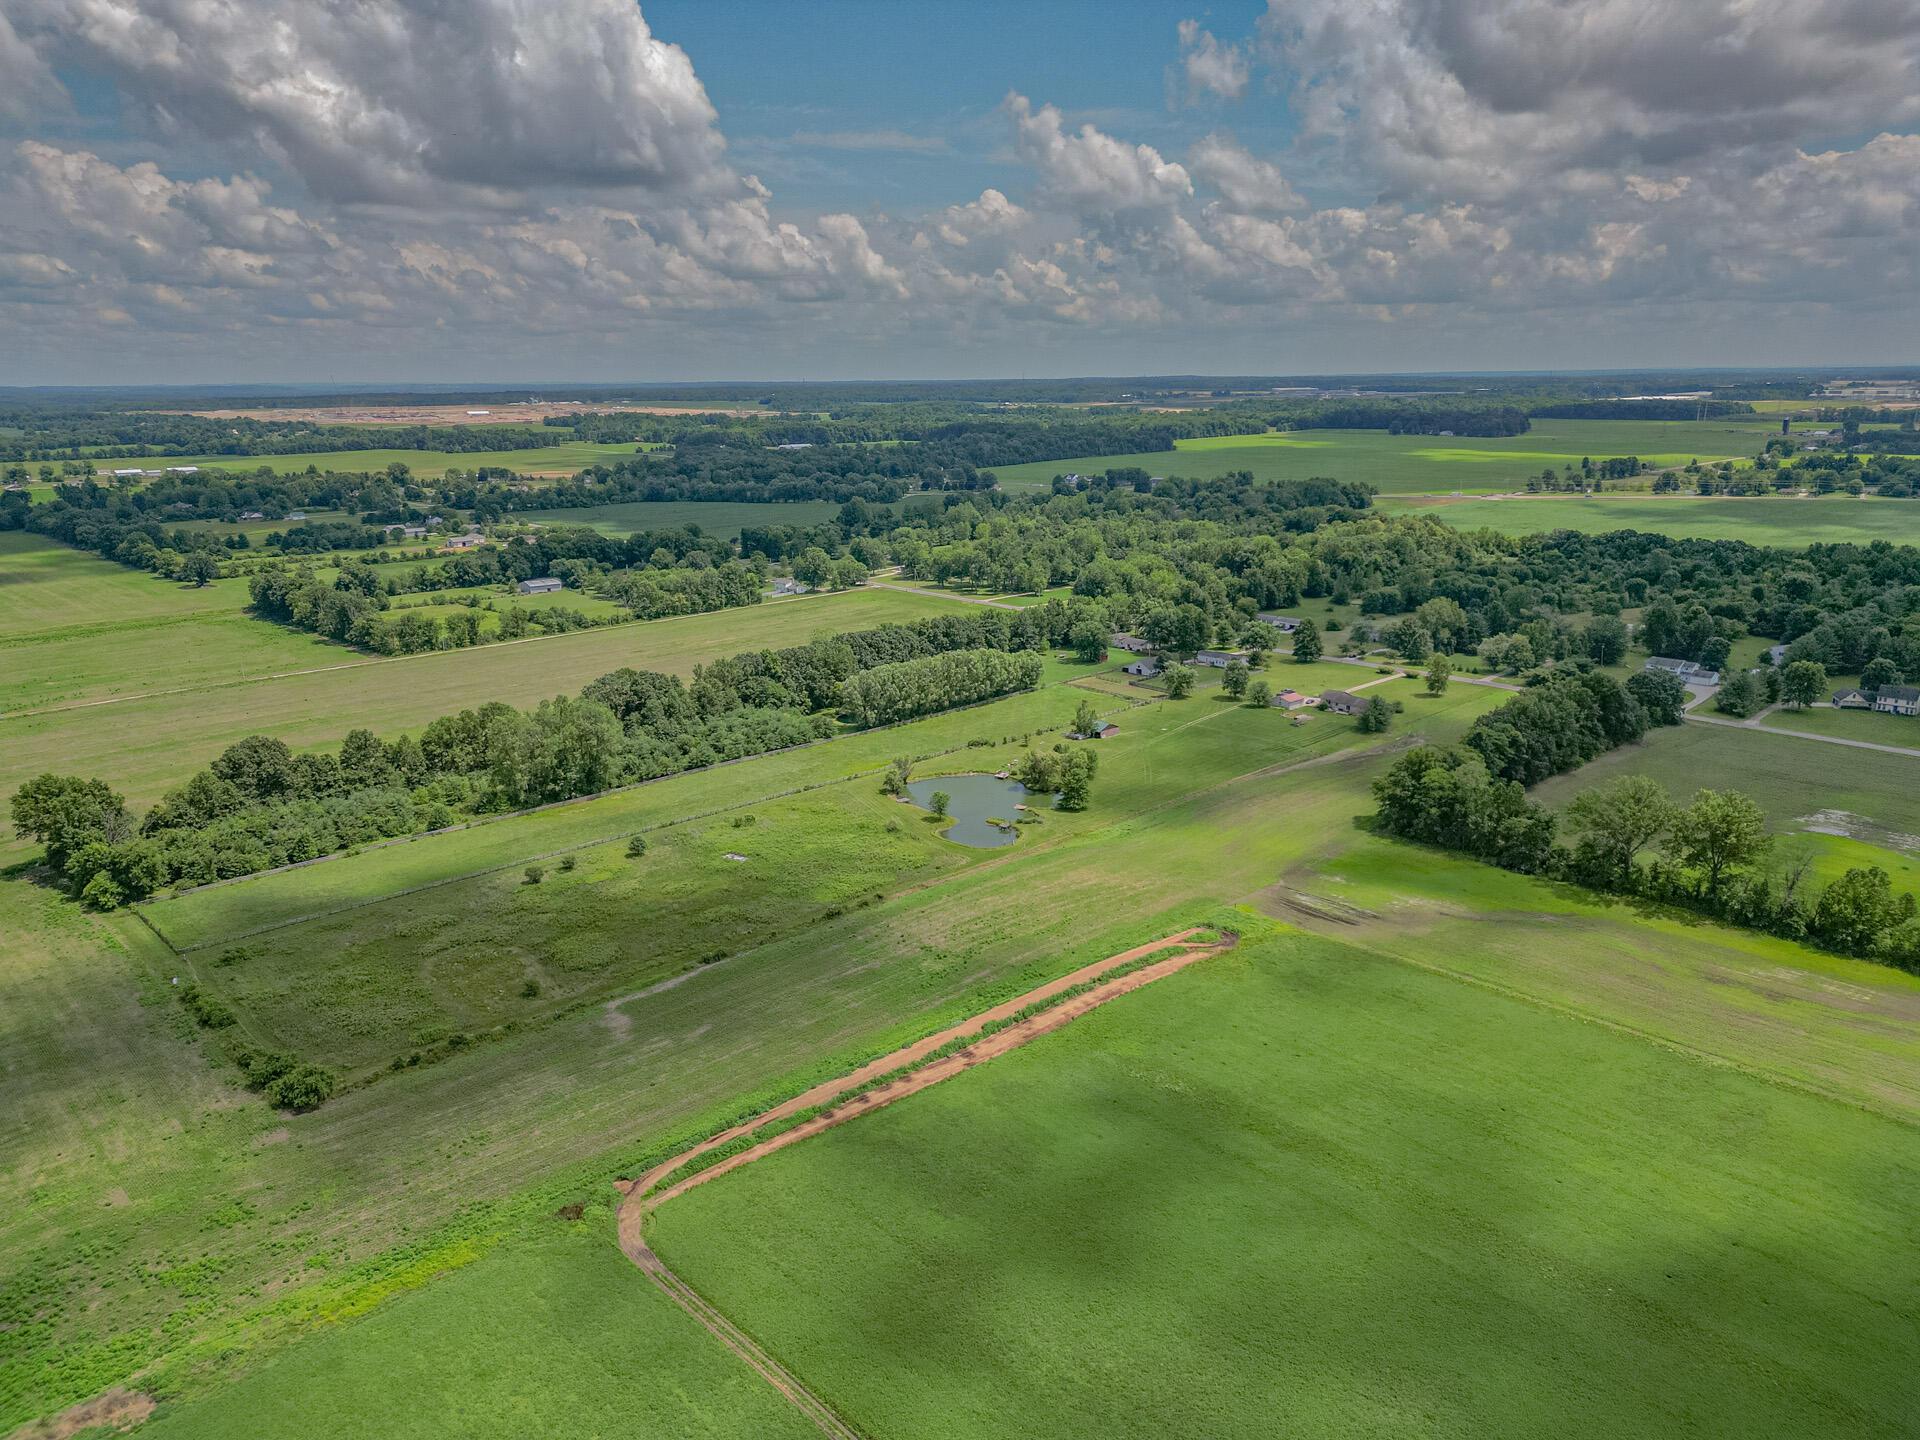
651, 1190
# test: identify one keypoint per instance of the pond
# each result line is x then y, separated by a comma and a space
972, 800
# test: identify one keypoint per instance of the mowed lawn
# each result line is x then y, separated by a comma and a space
504, 1351
1302, 1190
1759, 520
714, 517
1413, 464
46, 587
143, 746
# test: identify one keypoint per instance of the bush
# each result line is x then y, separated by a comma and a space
568, 862
636, 847
535, 874
208, 1011
301, 1088
530, 990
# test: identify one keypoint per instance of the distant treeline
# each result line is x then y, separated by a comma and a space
1640, 409
109, 435
260, 805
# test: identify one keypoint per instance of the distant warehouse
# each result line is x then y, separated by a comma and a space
544, 586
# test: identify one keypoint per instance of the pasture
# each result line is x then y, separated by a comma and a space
47, 588
150, 740
1869, 725
1301, 1188
713, 517
1416, 464
1759, 520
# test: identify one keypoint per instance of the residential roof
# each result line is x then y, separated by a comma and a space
1339, 697
1897, 692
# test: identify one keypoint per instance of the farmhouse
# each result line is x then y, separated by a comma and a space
545, 585
1292, 700
1285, 624
1219, 659
786, 586
1685, 671
1119, 640
1145, 665
1897, 700
1851, 699
1343, 702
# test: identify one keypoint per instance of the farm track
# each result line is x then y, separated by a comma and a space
642, 1196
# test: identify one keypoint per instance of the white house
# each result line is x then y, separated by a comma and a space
1897, 700
1686, 671
784, 585
1219, 659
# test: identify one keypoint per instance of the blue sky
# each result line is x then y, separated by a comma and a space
597, 189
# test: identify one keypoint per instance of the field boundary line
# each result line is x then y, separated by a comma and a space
927, 1062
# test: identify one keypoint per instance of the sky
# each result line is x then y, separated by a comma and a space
378, 191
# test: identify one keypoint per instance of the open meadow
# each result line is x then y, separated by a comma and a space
1417, 464
1299, 1188
1759, 520
152, 738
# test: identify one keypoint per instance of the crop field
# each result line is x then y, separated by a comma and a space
146, 742
1415, 464
714, 517
565, 458
1759, 520
1301, 1188
505, 1346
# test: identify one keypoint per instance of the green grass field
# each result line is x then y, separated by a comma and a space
719, 517
149, 741
1761, 520
48, 589
1301, 1189
1414, 464
1869, 725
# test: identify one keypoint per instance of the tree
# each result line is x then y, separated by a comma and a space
1234, 681
1089, 643
1606, 639
301, 1088
1178, 680
535, 874
200, 567
1738, 695
66, 813
1410, 641
1803, 682
1378, 715
1879, 672
1713, 654
1306, 643
1086, 719
1720, 832
1439, 673
636, 847
1660, 694
1859, 910
899, 772
938, 803
1259, 694
1619, 819
1076, 779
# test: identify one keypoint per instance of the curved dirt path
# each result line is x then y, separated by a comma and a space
642, 1196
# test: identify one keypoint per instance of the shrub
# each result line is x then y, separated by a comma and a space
208, 1011
530, 990
535, 874
301, 1088
568, 862
636, 847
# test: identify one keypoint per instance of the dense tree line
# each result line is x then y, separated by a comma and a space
127, 434
1712, 853
1624, 409
1427, 415
260, 805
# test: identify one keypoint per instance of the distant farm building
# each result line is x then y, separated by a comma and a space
786, 586
1285, 624
1145, 665
1120, 640
1292, 700
1105, 730
1852, 699
546, 585
479, 412
1343, 702
1219, 659
465, 542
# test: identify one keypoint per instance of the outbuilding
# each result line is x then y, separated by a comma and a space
1343, 702
1120, 640
544, 585
1219, 659
1285, 624
1146, 665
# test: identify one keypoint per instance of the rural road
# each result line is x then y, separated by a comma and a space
942, 594
1806, 735
642, 1196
